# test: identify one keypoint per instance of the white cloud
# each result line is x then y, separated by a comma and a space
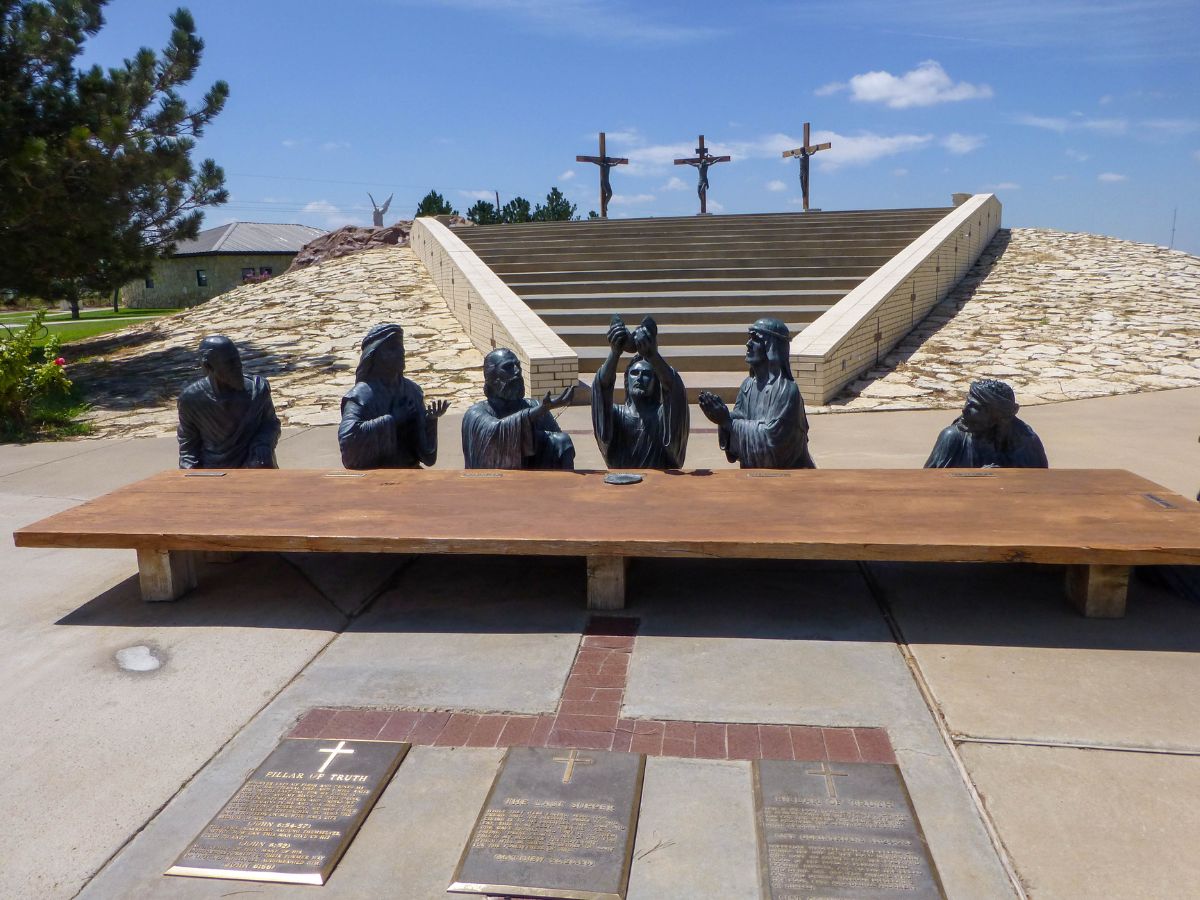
962, 143
926, 85
477, 195
330, 215
674, 183
776, 185
714, 206
861, 149
1062, 124
1170, 127
1076, 155
335, 145
833, 87
1111, 177
567, 175
290, 143
629, 199
1002, 186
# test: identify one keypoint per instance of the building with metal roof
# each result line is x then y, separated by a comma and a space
218, 260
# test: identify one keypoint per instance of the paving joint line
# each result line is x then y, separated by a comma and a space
1074, 745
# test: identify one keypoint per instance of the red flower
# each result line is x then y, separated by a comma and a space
60, 362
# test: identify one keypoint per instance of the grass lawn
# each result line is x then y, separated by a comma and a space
90, 323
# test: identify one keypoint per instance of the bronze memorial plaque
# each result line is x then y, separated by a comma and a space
292, 820
829, 830
556, 823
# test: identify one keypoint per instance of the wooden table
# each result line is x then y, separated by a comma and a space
1097, 522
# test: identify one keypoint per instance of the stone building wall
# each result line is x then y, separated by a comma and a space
175, 282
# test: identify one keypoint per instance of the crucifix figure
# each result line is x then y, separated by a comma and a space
702, 160
572, 760
804, 153
828, 774
605, 163
332, 751
377, 215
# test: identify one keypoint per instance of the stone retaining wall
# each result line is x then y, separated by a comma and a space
490, 312
863, 326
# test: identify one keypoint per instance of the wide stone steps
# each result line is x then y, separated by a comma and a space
635, 299
727, 334
684, 357
598, 317
531, 290
860, 265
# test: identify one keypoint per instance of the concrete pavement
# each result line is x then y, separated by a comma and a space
1072, 748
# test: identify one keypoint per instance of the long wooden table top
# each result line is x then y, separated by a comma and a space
1031, 515
953, 515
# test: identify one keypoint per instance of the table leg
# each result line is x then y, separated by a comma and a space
166, 574
606, 581
1098, 591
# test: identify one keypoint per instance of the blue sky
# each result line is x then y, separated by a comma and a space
1082, 115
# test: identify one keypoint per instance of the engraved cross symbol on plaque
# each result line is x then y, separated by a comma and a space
804, 153
332, 751
572, 759
828, 774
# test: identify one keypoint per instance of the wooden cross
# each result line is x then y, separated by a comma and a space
804, 153
332, 751
828, 775
702, 160
605, 163
572, 760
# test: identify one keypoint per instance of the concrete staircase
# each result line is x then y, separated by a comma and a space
703, 279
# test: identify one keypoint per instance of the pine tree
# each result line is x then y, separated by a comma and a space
557, 209
95, 166
434, 204
484, 213
515, 211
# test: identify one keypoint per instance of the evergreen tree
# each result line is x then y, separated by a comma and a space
434, 204
557, 209
95, 166
516, 210
484, 213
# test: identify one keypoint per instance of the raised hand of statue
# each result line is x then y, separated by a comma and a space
645, 341
550, 402
618, 336
714, 408
437, 408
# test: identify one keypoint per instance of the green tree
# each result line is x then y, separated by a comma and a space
433, 204
516, 210
557, 209
484, 213
95, 166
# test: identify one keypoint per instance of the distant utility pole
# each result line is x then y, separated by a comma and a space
497, 193
1174, 215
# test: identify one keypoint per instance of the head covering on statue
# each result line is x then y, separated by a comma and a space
767, 428
385, 420
509, 431
226, 418
988, 434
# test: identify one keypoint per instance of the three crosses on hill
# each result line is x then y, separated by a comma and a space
702, 161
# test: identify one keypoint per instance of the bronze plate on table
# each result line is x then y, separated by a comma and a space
839, 830
557, 823
292, 820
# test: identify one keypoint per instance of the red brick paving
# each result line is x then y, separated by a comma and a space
587, 718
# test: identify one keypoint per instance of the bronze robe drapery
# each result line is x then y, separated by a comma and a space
629, 442
385, 427
220, 432
769, 429
519, 439
957, 448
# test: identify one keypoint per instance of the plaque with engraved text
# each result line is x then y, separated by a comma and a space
556, 823
292, 820
839, 830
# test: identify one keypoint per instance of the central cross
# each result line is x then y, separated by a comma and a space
702, 160
605, 163
828, 775
333, 752
572, 759
804, 153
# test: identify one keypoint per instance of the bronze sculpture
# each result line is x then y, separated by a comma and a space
226, 419
385, 420
650, 429
509, 431
767, 428
988, 434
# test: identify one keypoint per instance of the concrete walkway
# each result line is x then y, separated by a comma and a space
1065, 750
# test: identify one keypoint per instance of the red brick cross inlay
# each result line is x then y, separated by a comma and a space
589, 718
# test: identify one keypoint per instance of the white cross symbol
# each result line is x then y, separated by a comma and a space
332, 751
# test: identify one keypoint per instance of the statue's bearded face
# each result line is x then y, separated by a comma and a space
504, 379
756, 347
977, 416
224, 366
388, 359
640, 380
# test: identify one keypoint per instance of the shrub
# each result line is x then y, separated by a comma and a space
28, 373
